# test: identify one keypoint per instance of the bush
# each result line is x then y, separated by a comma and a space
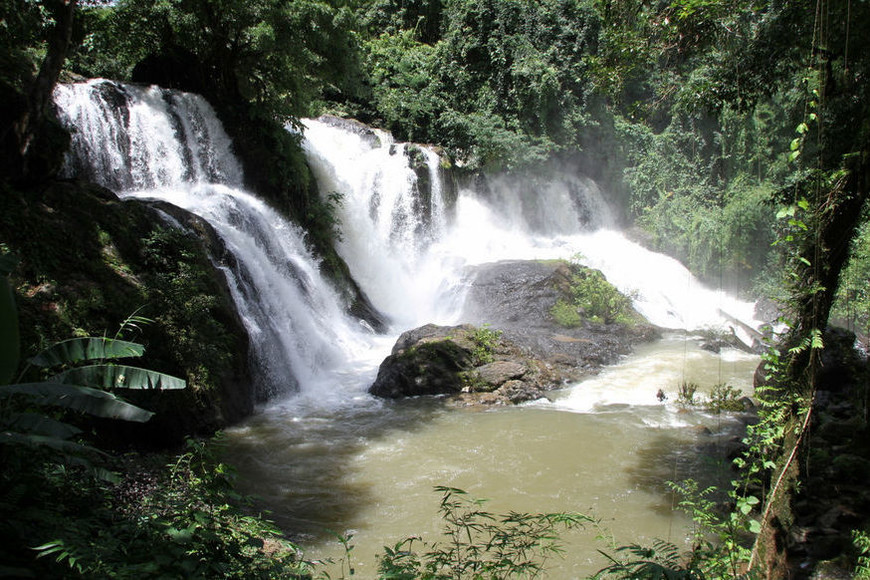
595, 299
724, 397
566, 314
170, 520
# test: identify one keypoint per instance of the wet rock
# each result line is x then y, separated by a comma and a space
516, 297
429, 367
497, 373
520, 392
363, 131
446, 360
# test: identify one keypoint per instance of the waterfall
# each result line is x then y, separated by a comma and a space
150, 143
390, 226
407, 237
416, 275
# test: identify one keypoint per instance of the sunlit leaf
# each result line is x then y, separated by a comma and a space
119, 377
78, 398
76, 350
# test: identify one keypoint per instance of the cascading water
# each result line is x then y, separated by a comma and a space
407, 272
155, 144
389, 224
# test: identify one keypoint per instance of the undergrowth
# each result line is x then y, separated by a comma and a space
166, 517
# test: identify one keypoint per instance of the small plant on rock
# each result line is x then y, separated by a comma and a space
485, 342
724, 398
686, 394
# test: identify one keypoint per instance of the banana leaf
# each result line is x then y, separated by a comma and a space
110, 377
69, 448
78, 398
89, 348
40, 424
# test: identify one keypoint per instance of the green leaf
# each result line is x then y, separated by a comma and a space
40, 424
786, 212
110, 377
41, 441
754, 526
89, 348
78, 398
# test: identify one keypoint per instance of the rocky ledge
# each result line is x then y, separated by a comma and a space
512, 349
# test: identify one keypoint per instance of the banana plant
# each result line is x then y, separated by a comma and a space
81, 374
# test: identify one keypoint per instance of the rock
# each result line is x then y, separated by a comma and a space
528, 354
430, 367
520, 392
363, 131
516, 297
497, 373
446, 360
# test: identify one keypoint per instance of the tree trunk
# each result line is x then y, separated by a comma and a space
20, 140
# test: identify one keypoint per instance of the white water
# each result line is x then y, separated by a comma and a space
412, 276
330, 455
153, 144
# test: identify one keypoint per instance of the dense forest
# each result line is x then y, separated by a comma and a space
733, 135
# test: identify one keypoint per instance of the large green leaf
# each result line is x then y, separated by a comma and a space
40, 424
89, 348
68, 448
9, 338
78, 398
118, 377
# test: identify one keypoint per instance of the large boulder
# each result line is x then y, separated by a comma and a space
427, 361
466, 361
517, 297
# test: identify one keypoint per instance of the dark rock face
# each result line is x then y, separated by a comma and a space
525, 354
516, 297
833, 498
363, 131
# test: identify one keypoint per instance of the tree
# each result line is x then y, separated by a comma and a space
28, 147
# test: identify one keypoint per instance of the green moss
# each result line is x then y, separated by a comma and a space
566, 314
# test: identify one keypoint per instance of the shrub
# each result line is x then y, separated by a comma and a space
485, 342
594, 298
724, 397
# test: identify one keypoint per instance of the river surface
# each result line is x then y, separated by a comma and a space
604, 447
